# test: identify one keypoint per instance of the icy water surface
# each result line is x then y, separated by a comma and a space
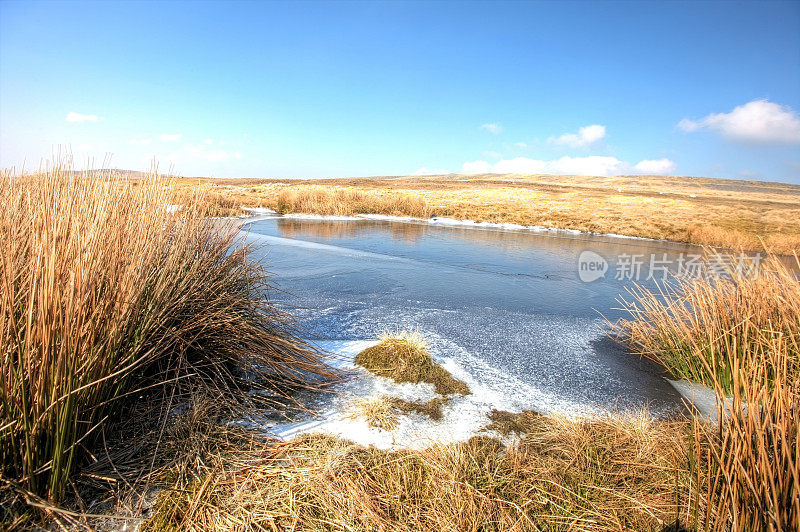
504, 310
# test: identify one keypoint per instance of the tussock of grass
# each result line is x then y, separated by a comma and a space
378, 412
431, 408
381, 411
742, 338
108, 295
603, 475
404, 358
506, 422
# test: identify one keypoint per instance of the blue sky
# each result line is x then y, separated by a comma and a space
314, 89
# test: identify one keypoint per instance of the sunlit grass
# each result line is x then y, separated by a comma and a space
106, 292
562, 475
404, 357
377, 411
741, 337
704, 329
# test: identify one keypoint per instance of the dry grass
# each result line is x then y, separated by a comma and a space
713, 212
563, 475
507, 423
315, 199
404, 357
431, 408
381, 411
702, 330
378, 411
742, 338
107, 294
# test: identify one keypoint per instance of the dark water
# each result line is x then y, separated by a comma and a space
507, 307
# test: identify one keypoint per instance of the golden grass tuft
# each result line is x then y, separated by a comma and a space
741, 337
404, 357
704, 329
377, 411
108, 294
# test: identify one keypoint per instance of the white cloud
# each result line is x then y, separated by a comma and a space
169, 137
494, 128
585, 136
655, 166
592, 165
522, 145
477, 167
756, 121
72, 116
430, 171
142, 141
518, 165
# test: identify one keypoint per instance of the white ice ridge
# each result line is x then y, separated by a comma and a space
259, 211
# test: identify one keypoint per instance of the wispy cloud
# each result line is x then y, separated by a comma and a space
655, 166
494, 128
585, 136
757, 121
74, 117
591, 165
141, 141
170, 137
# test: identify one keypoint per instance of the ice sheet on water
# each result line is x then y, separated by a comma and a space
505, 314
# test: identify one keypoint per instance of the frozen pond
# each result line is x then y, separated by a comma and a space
505, 310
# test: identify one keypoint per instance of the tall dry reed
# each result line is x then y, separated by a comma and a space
741, 337
106, 290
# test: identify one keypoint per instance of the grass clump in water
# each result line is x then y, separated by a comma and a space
378, 412
431, 408
381, 411
404, 357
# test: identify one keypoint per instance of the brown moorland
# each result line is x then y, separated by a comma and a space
715, 212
